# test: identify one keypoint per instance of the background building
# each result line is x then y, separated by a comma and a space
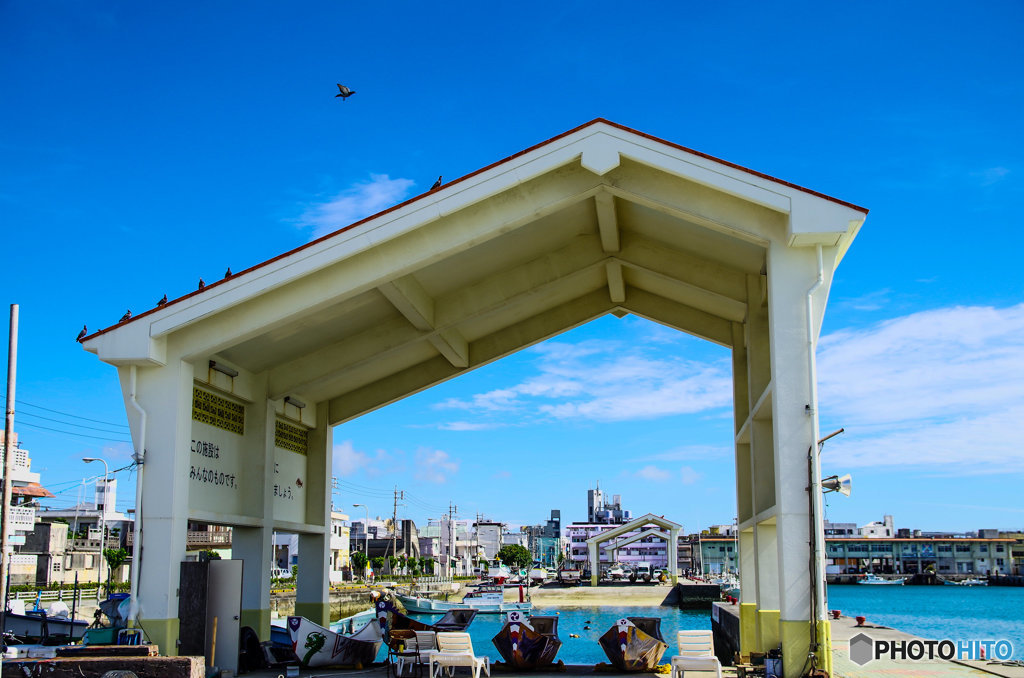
545, 541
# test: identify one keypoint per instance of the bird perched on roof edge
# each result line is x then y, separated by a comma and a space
437, 184
201, 284
127, 316
227, 274
344, 92
162, 301
81, 335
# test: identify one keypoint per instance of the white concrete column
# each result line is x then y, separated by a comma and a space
672, 551
312, 590
165, 393
252, 544
791, 273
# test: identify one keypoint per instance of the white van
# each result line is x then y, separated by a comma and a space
643, 571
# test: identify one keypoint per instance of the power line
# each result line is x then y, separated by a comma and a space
68, 414
72, 433
69, 423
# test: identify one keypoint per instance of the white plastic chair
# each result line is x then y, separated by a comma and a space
696, 653
455, 648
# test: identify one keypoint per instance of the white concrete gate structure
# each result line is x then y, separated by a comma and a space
231, 391
666, 530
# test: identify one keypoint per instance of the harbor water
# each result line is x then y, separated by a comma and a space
938, 612
959, 613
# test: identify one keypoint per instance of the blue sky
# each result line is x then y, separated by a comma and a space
144, 147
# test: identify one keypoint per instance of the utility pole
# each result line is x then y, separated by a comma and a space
451, 536
5, 514
399, 494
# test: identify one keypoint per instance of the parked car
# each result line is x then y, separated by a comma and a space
643, 571
280, 573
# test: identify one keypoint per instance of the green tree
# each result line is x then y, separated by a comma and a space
392, 564
359, 561
115, 558
378, 564
515, 555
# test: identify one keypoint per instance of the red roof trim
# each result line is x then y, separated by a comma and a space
413, 199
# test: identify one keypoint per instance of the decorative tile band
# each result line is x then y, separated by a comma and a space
211, 409
289, 437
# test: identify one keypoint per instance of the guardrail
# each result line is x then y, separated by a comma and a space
50, 595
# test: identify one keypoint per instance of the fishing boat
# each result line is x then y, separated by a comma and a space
634, 643
390, 618
318, 646
875, 579
967, 582
37, 625
488, 599
538, 575
528, 643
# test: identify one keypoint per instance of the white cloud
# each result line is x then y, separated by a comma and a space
940, 388
359, 201
434, 466
654, 473
347, 460
601, 380
692, 452
467, 426
689, 476
991, 175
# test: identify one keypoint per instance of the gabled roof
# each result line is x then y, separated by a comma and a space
635, 524
446, 188
599, 220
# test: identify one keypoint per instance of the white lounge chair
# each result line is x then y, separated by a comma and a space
696, 653
456, 649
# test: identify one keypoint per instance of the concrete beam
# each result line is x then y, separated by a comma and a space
616, 283
411, 300
607, 222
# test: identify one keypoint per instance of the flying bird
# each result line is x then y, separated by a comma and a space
437, 184
201, 284
227, 274
163, 300
81, 335
127, 316
343, 92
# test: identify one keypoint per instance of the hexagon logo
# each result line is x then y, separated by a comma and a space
862, 649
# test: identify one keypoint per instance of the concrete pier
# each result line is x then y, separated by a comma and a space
725, 624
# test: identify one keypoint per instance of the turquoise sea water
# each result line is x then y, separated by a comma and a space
937, 612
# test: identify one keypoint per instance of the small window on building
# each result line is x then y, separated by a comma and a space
56, 566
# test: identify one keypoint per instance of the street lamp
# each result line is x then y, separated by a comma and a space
103, 519
366, 534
